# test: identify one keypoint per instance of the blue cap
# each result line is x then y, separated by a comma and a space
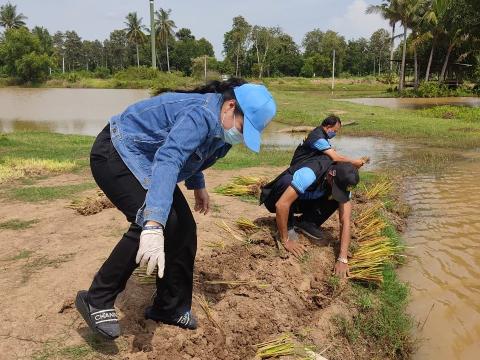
258, 109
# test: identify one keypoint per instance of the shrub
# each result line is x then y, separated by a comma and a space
72, 77
102, 73
432, 89
137, 73
33, 67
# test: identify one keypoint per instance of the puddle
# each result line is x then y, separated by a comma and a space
416, 103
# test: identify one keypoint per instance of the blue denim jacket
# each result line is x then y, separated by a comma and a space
167, 139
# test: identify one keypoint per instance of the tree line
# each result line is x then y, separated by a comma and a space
439, 38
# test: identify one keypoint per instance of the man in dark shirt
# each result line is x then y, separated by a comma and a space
314, 187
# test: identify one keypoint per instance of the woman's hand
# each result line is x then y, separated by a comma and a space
202, 201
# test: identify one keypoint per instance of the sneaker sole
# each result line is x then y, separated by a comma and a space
82, 306
304, 232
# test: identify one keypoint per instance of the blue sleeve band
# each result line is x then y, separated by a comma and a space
302, 179
322, 145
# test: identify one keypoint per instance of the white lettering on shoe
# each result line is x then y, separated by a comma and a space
184, 319
104, 315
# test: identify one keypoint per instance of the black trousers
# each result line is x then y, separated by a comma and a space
316, 211
174, 290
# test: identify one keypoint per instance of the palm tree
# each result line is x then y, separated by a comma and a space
434, 17
9, 18
418, 35
407, 10
388, 10
134, 31
164, 27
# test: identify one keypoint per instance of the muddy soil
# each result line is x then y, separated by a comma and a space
42, 268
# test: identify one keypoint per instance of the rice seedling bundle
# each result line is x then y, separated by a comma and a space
380, 189
374, 250
246, 225
281, 346
141, 274
243, 186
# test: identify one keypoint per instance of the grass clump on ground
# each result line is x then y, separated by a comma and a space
241, 157
381, 323
17, 224
47, 193
17, 168
56, 150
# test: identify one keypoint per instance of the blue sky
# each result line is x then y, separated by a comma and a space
95, 19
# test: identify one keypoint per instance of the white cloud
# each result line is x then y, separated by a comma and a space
355, 23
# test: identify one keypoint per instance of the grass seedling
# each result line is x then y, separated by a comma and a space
203, 302
223, 225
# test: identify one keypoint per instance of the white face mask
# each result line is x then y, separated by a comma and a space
232, 136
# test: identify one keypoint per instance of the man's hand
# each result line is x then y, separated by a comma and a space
294, 247
202, 201
341, 270
151, 250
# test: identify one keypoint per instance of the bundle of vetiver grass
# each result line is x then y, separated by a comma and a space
243, 186
374, 250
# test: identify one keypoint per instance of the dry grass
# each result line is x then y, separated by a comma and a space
17, 168
92, 204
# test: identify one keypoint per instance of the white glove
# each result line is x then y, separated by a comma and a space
151, 250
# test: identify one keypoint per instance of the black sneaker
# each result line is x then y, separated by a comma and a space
101, 321
310, 229
185, 321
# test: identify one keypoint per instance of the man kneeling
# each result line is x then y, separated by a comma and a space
315, 188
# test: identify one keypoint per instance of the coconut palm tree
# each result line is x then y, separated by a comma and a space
388, 10
407, 10
434, 18
9, 18
164, 28
134, 31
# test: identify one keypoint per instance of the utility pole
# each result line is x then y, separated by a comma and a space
333, 70
152, 35
205, 68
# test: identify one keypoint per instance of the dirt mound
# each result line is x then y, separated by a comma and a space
253, 296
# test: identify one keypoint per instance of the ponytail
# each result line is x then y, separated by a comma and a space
224, 88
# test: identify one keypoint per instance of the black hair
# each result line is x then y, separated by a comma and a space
331, 120
225, 88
